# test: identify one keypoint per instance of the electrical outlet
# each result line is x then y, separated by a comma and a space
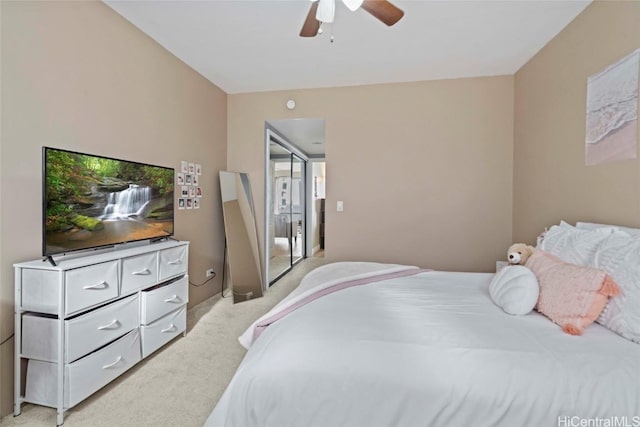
210, 272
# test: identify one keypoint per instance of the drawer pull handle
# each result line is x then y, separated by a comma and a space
111, 365
113, 325
101, 285
174, 298
176, 262
171, 328
144, 272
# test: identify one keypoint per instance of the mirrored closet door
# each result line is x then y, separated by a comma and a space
286, 210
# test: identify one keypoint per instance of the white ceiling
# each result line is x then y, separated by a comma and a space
253, 45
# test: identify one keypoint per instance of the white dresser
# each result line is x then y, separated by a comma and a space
85, 321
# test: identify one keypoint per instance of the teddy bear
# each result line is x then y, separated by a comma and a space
518, 253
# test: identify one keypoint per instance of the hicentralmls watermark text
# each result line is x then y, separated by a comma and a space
576, 421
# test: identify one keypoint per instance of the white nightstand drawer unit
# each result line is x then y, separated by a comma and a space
84, 376
173, 262
161, 300
163, 330
90, 285
84, 333
139, 272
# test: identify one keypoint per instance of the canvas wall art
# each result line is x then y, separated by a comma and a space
612, 112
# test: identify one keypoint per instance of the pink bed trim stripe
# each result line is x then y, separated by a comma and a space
261, 326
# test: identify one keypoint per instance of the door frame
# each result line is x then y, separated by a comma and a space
272, 134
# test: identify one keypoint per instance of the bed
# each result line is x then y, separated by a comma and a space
369, 344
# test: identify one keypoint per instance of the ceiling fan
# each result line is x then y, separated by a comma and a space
322, 11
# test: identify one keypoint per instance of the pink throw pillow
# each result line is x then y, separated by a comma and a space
572, 296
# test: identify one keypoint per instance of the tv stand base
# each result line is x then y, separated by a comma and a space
51, 260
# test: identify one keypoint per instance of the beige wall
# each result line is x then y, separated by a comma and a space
551, 181
419, 167
76, 75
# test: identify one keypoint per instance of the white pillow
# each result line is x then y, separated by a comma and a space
515, 289
619, 256
633, 232
563, 224
573, 245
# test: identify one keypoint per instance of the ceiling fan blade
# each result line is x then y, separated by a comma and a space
311, 24
383, 10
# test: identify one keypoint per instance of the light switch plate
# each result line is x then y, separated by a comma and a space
340, 206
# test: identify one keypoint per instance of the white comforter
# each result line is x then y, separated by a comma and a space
427, 350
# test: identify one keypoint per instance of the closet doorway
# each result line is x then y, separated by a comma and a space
287, 210
291, 190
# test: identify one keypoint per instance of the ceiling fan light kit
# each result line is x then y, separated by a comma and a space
322, 11
326, 11
352, 5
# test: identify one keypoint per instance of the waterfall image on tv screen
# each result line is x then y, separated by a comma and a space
92, 201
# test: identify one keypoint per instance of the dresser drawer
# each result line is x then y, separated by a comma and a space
173, 261
40, 290
163, 330
90, 285
139, 272
84, 333
84, 376
159, 301
99, 327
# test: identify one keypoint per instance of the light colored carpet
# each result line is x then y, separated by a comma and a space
180, 384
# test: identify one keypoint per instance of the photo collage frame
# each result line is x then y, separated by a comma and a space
188, 184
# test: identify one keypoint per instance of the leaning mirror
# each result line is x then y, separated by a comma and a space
243, 257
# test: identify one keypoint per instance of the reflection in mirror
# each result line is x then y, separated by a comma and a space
242, 240
285, 209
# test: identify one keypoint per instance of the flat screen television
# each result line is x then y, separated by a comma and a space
93, 201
